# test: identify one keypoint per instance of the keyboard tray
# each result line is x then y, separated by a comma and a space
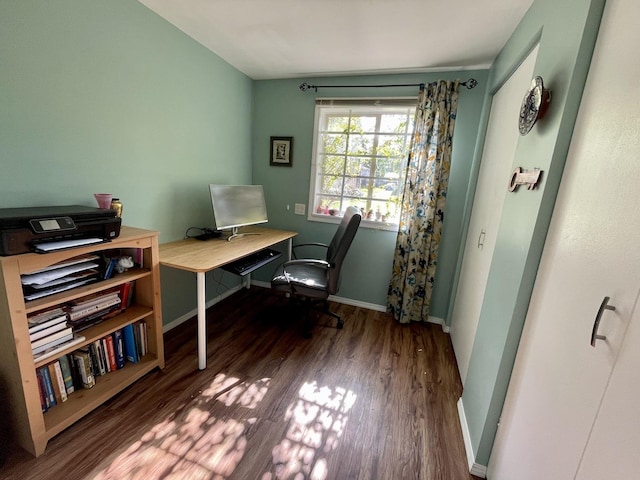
248, 264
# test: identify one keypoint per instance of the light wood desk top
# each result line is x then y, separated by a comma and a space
201, 256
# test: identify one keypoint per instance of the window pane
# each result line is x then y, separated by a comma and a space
361, 144
331, 184
334, 143
337, 123
394, 123
393, 145
333, 165
364, 123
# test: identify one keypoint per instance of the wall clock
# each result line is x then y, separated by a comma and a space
534, 105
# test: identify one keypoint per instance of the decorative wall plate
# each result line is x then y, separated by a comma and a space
534, 105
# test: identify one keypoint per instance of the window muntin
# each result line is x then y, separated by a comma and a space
360, 154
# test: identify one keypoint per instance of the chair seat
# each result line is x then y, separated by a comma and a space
303, 280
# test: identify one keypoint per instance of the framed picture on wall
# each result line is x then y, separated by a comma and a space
281, 151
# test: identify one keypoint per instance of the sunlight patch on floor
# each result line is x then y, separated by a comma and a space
193, 444
316, 423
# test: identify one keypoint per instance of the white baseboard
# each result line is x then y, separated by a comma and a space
474, 468
358, 303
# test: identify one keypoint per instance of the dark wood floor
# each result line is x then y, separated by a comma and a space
375, 400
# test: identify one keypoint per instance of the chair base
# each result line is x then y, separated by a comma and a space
321, 306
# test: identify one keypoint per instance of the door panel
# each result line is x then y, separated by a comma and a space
495, 171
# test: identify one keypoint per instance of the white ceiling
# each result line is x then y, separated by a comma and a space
268, 39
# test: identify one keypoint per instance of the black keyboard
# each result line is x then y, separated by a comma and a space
248, 264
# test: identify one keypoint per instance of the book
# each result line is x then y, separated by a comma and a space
58, 381
90, 300
110, 265
83, 364
111, 353
94, 308
105, 354
41, 333
44, 317
49, 340
118, 343
48, 385
42, 389
67, 376
131, 353
99, 362
142, 327
56, 349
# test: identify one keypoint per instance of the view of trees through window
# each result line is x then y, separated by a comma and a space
361, 157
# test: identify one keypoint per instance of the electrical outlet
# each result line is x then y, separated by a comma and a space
300, 207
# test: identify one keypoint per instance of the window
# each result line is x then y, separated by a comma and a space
360, 155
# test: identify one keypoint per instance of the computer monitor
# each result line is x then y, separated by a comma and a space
236, 206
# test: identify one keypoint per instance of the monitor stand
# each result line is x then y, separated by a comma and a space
235, 234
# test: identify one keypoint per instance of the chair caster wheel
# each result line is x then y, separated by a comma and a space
340, 324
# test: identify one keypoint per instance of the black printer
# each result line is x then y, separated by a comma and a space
22, 230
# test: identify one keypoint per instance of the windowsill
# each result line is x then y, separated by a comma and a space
373, 224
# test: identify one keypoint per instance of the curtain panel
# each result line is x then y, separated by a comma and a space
423, 203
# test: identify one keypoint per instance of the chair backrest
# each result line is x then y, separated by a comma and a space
340, 244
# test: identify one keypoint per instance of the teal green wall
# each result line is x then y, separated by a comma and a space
281, 109
105, 96
567, 32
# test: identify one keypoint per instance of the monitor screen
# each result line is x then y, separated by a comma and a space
237, 205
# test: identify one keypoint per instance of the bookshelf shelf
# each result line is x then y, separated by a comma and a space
33, 428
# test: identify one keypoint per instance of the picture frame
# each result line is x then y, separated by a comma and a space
281, 151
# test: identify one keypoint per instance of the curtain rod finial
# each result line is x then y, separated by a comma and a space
304, 86
471, 83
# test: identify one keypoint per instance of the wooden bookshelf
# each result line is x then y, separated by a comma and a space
32, 427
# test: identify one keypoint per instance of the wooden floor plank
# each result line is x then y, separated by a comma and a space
373, 401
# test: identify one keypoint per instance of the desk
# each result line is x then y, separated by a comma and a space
200, 257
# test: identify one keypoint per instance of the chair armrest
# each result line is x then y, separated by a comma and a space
310, 244
307, 261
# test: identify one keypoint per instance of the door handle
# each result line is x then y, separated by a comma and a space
596, 324
481, 238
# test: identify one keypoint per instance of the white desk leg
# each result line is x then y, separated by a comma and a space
202, 322
290, 247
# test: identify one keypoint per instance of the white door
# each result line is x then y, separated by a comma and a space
614, 444
495, 171
591, 252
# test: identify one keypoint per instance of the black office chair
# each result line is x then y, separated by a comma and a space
311, 281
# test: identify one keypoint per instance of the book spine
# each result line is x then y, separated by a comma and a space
60, 381
42, 389
85, 312
51, 397
66, 374
111, 351
104, 352
96, 357
83, 362
119, 346
54, 383
130, 344
142, 327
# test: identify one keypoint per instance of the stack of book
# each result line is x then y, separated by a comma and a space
50, 332
88, 311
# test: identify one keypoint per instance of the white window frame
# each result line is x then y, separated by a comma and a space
377, 106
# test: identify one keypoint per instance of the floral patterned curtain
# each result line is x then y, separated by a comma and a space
423, 202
